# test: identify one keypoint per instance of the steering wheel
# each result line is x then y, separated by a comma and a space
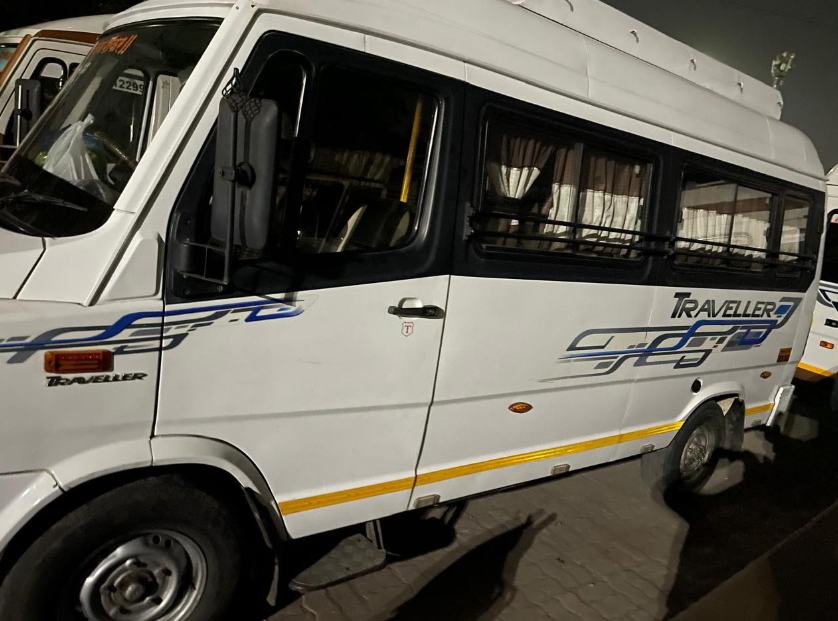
113, 148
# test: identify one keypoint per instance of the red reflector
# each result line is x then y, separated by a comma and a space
94, 361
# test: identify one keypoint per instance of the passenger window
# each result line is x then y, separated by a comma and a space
722, 221
367, 166
795, 223
548, 193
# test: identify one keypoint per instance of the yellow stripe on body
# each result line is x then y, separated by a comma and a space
370, 491
759, 409
336, 498
815, 370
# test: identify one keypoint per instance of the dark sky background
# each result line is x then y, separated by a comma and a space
746, 34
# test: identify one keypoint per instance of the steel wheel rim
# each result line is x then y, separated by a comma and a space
698, 450
154, 576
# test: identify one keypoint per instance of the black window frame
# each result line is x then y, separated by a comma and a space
527, 264
285, 271
770, 250
777, 275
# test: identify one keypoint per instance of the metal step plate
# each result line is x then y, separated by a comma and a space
354, 556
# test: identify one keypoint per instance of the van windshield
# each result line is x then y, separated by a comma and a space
71, 169
7, 50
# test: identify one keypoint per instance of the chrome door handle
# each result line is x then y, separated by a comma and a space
423, 312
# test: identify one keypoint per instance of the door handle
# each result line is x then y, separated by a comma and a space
422, 312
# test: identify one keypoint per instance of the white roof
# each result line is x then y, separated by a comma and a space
91, 23
581, 49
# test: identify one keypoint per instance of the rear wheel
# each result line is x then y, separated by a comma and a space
152, 550
689, 460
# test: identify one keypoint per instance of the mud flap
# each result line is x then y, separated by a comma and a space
735, 426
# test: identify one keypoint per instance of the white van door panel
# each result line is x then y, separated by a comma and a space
513, 341
328, 393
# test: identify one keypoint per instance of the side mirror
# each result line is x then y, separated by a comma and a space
29, 101
244, 188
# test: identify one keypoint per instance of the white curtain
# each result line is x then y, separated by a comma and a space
794, 227
563, 194
611, 197
520, 164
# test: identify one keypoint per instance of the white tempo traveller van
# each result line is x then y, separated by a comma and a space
273, 268
45, 55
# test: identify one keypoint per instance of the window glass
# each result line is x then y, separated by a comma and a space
369, 153
549, 193
7, 50
830, 250
721, 221
795, 222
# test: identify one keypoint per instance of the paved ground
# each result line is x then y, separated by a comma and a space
598, 545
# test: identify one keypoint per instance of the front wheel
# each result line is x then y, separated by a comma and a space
157, 549
687, 463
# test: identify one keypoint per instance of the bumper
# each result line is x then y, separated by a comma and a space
21, 496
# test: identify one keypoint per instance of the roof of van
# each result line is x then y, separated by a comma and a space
90, 24
583, 49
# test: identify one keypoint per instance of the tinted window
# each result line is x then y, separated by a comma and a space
795, 222
722, 221
552, 193
369, 154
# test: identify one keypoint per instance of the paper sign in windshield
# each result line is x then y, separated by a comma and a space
114, 45
127, 84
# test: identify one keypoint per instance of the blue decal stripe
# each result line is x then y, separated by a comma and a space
768, 325
126, 321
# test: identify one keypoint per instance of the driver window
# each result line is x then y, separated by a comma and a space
368, 159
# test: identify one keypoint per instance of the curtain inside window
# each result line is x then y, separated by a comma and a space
611, 197
795, 222
521, 162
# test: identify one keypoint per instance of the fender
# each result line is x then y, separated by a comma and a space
101, 461
23, 494
185, 450
711, 391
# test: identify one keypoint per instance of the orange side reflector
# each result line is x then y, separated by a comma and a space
520, 407
784, 355
765, 374
93, 361
827, 344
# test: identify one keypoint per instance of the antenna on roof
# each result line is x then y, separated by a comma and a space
781, 66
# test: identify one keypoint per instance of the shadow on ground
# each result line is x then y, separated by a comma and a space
775, 497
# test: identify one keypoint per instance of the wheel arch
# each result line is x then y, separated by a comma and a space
213, 464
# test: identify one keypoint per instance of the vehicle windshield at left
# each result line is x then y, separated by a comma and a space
7, 50
71, 169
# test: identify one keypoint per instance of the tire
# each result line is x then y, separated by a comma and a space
158, 544
672, 468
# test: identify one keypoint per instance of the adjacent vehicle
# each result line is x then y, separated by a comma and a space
820, 358
46, 55
275, 268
